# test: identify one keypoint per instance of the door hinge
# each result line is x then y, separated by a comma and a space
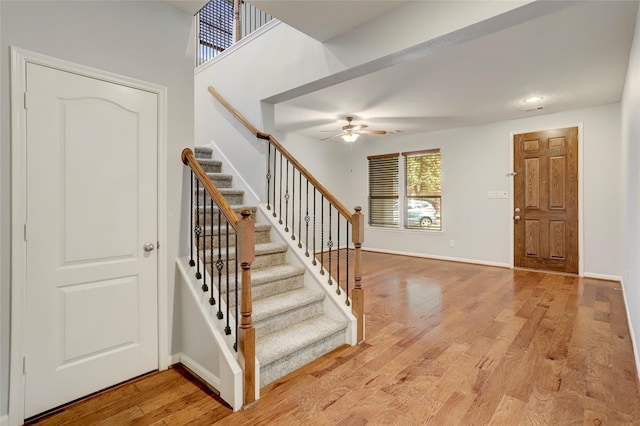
158, 245
25, 232
25, 100
24, 365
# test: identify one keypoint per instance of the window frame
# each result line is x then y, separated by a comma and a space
400, 216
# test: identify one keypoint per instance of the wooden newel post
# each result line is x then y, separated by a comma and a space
247, 333
357, 221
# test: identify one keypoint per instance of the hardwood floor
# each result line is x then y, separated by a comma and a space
447, 343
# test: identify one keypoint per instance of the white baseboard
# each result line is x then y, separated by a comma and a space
435, 257
602, 277
634, 345
4, 420
200, 371
174, 359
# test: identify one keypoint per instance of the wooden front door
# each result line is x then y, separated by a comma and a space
91, 297
546, 200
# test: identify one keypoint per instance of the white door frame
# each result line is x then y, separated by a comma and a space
19, 60
580, 192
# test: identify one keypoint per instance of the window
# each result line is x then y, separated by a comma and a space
421, 194
423, 189
383, 190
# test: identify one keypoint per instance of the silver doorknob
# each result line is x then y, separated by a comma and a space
149, 247
517, 209
516, 217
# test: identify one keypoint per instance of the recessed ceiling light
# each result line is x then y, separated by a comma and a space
533, 99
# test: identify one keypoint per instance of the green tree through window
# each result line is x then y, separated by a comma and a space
423, 189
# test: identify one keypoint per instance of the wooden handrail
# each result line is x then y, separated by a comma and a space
189, 160
346, 213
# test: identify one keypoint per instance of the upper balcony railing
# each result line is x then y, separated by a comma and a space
221, 23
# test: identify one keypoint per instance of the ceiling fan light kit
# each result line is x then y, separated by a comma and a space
350, 137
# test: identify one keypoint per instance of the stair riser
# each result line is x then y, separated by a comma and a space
215, 218
262, 261
261, 237
284, 366
263, 290
221, 182
232, 199
282, 320
211, 167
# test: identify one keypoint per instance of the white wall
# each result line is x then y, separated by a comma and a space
630, 159
476, 160
146, 40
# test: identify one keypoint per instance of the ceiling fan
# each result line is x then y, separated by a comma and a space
351, 132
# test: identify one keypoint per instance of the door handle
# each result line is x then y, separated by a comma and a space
517, 209
149, 247
516, 217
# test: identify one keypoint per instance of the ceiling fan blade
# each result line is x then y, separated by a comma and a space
332, 136
359, 127
373, 132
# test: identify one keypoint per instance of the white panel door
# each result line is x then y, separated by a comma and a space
91, 316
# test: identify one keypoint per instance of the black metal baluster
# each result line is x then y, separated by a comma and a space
268, 176
219, 264
275, 164
280, 193
299, 210
204, 287
329, 245
293, 202
212, 300
238, 285
198, 230
346, 301
306, 221
286, 200
314, 227
338, 255
321, 234
227, 329
191, 261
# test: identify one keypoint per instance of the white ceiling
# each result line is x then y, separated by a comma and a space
574, 57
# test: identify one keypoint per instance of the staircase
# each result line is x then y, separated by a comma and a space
292, 328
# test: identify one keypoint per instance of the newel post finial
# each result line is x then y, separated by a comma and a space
357, 221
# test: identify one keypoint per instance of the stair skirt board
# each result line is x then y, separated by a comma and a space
294, 319
212, 359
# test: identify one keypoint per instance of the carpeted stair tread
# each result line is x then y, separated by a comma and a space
203, 152
260, 227
227, 191
209, 161
274, 273
261, 250
235, 207
284, 342
284, 302
213, 175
